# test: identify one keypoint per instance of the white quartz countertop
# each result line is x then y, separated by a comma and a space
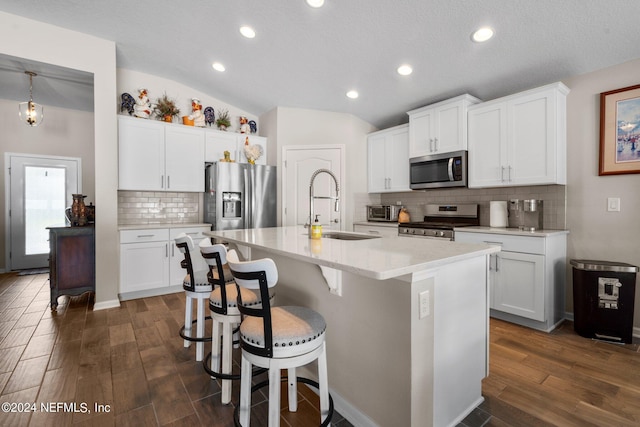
154, 226
511, 231
378, 258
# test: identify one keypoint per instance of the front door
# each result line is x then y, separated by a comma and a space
300, 162
40, 189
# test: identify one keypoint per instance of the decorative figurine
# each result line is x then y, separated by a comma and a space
209, 116
127, 103
196, 113
252, 152
142, 108
253, 126
223, 121
244, 124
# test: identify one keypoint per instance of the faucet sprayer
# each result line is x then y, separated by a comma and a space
312, 196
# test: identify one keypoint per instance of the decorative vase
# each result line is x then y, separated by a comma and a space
78, 210
168, 118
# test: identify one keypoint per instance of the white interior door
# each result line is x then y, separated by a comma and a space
40, 189
300, 162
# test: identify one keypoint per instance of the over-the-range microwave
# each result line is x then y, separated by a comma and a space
438, 170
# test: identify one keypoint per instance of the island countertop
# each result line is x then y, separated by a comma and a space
378, 258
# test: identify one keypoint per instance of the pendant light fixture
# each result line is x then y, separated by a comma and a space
30, 112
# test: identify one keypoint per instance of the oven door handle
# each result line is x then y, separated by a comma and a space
450, 168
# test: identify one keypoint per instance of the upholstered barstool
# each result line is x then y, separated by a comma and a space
277, 338
224, 313
196, 287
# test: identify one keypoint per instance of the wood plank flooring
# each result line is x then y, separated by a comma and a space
131, 361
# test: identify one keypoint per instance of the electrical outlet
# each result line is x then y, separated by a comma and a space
613, 204
423, 301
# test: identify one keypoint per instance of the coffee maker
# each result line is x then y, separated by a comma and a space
526, 215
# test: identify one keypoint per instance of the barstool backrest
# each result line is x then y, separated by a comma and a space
185, 244
216, 256
259, 274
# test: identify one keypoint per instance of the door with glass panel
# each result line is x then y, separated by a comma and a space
40, 189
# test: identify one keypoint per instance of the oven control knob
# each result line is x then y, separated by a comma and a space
441, 233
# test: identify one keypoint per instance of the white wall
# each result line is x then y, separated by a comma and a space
594, 232
54, 45
297, 126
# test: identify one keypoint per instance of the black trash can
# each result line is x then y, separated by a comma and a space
603, 299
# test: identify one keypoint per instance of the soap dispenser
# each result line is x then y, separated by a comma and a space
316, 229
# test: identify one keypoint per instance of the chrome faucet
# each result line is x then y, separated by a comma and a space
312, 197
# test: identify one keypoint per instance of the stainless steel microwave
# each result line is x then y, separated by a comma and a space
438, 170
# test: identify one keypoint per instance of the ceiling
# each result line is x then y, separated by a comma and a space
309, 58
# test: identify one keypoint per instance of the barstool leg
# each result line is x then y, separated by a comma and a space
200, 330
323, 382
215, 345
292, 389
227, 343
187, 320
245, 393
274, 395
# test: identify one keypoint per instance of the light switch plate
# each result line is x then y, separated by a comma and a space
613, 204
423, 301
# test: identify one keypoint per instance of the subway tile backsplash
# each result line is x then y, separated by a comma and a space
148, 207
554, 197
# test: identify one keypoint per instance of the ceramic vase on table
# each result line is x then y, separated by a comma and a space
78, 210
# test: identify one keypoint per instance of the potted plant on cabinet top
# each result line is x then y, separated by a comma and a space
166, 109
223, 121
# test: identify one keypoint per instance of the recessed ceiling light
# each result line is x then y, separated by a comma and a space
315, 3
218, 66
352, 94
248, 32
482, 35
405, 70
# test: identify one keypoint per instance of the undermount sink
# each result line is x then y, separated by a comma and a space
339, 235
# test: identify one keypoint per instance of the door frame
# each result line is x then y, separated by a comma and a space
7, 193
283, 191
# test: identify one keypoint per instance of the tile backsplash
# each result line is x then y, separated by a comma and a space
148, 207
554, 197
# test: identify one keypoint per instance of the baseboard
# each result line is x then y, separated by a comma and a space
114, 303
635, 333
150, 292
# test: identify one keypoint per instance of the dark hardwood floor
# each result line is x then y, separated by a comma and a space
131, 361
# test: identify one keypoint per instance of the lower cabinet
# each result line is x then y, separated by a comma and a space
150, 260
527, 278
379, 230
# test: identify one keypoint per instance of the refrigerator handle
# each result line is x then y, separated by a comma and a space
248, 198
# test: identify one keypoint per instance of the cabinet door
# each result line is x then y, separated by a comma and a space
520, 285
376, 173
217, 142
144, 266
421, 133
397, 160
184, 158
140, 154
487, 146
450, 131
532, 154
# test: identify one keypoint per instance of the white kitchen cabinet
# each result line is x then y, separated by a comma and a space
519, 139
383, 230
388, 160
527, 278
217, 142
150, 260
439, 128
157, 156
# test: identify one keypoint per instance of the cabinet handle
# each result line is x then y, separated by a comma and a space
161, 181
501, 173
140, 236
168, 182
497, 269
166, 250
431, 144
374, 232
509, 180
435, 144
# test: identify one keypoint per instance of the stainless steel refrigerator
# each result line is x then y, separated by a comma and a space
240, 195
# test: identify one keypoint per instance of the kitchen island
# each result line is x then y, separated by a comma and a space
407, 319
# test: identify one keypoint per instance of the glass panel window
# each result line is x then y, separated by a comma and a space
44, 205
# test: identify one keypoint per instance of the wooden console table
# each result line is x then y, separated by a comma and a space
72, 261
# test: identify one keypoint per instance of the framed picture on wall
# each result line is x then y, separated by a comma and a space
620, 131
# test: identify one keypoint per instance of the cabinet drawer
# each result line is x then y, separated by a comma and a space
510, 243
144, 235
196, 233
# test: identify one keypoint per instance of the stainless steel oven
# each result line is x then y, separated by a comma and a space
438, 170
440, 220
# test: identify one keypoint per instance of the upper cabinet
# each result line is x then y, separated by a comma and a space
217, 142
519, 139
156, 156
439, 128
388, 160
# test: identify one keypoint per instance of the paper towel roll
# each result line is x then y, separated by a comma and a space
498, 214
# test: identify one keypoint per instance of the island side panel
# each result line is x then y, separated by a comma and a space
368, 336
